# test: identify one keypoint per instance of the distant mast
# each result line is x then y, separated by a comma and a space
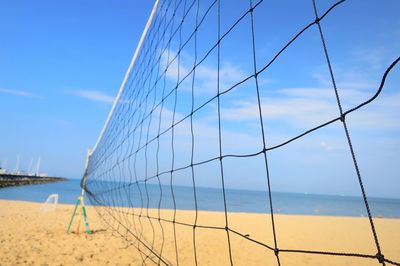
3, 169
17, 166
37, 167
30, 170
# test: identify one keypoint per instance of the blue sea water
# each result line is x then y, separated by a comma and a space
210, 199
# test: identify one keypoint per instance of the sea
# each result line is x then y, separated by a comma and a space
210, 199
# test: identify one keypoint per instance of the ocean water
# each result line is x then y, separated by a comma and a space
210, 199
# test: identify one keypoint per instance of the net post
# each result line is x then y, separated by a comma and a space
80, 200
72, 217
83, 185
83, 181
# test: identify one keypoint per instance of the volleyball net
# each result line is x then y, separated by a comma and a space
194, 110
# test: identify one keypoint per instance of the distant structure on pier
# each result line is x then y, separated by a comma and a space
33, 170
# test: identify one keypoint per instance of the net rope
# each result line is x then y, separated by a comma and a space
119, 170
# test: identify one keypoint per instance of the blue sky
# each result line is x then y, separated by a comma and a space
61, 65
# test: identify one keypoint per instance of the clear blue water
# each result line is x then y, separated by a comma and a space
211, 199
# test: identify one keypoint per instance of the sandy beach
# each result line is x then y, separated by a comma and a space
29, 236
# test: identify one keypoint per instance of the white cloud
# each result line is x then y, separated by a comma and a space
206, 74
287, 111
287, 105
373, 57
332, 144
312, 106
345, 79
93, 95
18, 93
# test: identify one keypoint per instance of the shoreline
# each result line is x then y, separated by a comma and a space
44, 239
88, 203
210, 200
10, 180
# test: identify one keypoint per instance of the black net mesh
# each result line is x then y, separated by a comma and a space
155, 140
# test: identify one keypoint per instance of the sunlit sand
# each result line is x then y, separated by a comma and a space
29, 236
